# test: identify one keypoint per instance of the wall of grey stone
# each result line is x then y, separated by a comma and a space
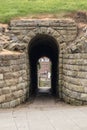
60, 75
74, 88
64, 31
13, 79
15, 68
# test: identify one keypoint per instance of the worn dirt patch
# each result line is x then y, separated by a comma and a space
79, 17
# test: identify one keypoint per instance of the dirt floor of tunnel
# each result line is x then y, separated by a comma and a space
44, 99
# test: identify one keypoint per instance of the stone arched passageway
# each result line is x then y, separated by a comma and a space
30, 39
43, 45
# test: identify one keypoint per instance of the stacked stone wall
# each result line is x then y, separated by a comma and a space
75, 78
15, 67
13, 79
63, 31
60, 73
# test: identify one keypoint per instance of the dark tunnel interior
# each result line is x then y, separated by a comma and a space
39, 46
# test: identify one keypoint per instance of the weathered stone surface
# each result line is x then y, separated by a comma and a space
21, 85
1, 76
6, 90
84, 96
14, 103
2, 98
2, 29
1, 48
11, 82
17, 47
18, 94
2, 84
12, 71
8, 97
13, 88
15, 65
5, 105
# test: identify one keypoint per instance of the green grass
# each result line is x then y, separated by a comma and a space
15, 8
44, 83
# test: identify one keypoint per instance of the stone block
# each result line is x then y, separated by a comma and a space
15, 102
18, 94
1, 48
20, 80
73, 101
1, 76
13, 88
2, 84
84, 96
22, 99
21, 86
4, 69
15, 68
85, 89
5, 90
13, 62
8, 97
5, 105
11, 75
2, 98
26, 39
11, 82
0, 91
84, 103
65, 98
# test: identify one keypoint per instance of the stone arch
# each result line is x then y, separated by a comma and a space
43, 45
43, 30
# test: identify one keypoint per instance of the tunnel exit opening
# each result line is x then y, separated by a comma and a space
43, 46
44, 75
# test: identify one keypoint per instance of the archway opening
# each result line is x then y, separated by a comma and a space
43, 46
44, 75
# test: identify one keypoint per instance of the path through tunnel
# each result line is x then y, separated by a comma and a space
39, 46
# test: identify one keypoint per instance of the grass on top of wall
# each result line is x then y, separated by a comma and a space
16, 8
